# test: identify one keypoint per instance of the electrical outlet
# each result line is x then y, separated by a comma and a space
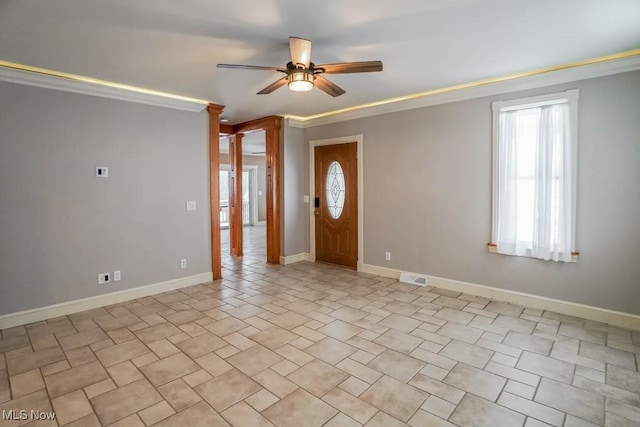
104, 278
191, 205
183, 263
387, 256
116, 276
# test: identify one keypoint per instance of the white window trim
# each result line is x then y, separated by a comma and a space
570, 97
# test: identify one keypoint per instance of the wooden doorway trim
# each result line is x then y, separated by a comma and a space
271, 125
226, 129
214, 111
358, 139
235, 194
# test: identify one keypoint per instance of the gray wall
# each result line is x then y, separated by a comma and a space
427, 195
60, 225
295, 184
262, 179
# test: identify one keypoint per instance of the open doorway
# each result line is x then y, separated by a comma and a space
253, 198
271, 125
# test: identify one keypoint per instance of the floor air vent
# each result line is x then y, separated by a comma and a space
414, 278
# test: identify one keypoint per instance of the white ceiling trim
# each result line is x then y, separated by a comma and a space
624, 62
87, 86
497, 86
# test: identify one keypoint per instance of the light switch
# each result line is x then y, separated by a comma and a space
191, 205
306, 198
102, 172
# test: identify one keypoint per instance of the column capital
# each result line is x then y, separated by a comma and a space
215, 108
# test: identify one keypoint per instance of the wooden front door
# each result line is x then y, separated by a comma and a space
336, 204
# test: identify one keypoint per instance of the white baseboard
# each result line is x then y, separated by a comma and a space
380, 271
62, 309
260, 223
286, 260
612, 317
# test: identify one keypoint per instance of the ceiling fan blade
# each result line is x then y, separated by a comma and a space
300, 51
251, 67
273, 86
328, 87
352, 67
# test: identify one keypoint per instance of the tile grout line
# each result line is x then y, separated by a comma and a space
296, 291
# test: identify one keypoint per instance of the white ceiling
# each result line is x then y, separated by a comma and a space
174, 46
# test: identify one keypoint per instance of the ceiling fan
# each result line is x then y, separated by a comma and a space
301, 75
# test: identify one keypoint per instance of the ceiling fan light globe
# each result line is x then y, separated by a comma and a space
301, 81
300, 86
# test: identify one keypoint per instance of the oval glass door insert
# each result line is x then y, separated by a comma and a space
335, 190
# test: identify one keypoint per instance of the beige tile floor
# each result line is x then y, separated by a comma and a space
312, 345
254, 242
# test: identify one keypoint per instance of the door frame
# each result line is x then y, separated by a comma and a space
236, 229
358, 139
272, 126
253, 190
225, 168
215, 128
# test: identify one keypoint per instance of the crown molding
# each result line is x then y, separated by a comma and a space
599, 67
294, 122
32, 76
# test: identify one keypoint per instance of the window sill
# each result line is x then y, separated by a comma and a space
493, 248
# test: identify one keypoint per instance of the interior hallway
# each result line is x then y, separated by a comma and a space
254, 246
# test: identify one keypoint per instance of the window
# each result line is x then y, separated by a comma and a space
534, 176
335, 190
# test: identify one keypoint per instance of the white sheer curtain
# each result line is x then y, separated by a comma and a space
535, 183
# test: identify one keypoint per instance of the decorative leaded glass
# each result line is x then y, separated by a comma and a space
335, 190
